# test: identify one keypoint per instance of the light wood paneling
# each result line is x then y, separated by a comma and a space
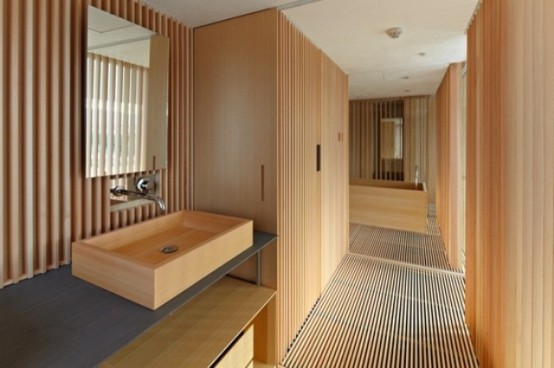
265, 97
299, 202
448, 185
50, 203
510, 177
416, 138
364, 118
235, 116
334, 167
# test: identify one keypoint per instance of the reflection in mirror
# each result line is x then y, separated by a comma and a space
126, 97
391, 138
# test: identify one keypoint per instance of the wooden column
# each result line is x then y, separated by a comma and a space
510, 201
449, 182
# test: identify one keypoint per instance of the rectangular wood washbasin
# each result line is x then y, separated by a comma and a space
131, 262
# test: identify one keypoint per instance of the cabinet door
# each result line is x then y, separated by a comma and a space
235, 118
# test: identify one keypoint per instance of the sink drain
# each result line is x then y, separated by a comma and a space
168, 249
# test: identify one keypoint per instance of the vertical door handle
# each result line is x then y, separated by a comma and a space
263, 182
318, 157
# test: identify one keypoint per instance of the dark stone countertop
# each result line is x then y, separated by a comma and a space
57, 320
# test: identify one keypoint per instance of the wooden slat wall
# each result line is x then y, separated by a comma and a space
265, 95
299, 199
361, 128
46, 200
447, 187
334, 167
364, 116
416, 138
510, 193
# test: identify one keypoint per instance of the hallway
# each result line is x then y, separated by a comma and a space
393, 302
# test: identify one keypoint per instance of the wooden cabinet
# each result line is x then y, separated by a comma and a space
209, 330
265, 98
241, 353
235, 116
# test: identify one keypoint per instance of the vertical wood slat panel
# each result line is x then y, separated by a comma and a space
4, 275
29, 151
240, 54
334, 131
448, 189
47, 202
416, 143
364, 119
510, 192
13, 134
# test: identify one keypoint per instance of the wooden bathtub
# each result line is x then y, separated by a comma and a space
390, 204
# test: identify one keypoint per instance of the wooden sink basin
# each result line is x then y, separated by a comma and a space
151, 262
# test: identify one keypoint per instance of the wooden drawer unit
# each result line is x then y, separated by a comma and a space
241, 352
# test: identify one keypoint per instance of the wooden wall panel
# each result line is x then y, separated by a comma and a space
334, 171
361, 129
448, 185
50, 203
265, 95
364, 116
416, 138
510, 193
299, 200
236, 117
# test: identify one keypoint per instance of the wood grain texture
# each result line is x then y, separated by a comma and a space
235, 123
235, 117
389, 207
334, 172
378, 313
299, 203
449, 189
198, 333
265, 97
42, 125
129, 261
241, 353
418, 143
510, 193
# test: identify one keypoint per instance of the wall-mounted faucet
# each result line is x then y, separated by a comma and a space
143, 186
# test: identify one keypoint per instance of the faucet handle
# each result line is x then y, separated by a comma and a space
144, 185
117, 190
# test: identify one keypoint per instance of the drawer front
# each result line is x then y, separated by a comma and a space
241, 353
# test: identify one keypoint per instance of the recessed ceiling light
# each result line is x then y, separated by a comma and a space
394, 32
405, 77
422, 54
407, 90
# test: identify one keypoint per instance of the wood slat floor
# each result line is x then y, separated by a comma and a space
403, 246
386, 312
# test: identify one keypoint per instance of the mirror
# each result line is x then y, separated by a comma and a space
391, 138
126, 97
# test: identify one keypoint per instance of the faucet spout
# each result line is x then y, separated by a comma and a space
120, 191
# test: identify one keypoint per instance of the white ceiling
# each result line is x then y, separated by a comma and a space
352, 33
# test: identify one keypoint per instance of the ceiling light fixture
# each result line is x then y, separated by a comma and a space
405, 77
394, 32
